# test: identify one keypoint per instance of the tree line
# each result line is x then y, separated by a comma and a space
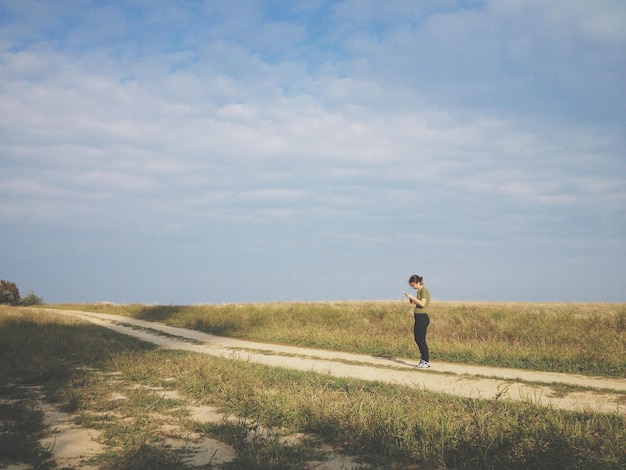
10, 295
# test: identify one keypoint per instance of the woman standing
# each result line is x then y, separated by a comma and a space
422, 320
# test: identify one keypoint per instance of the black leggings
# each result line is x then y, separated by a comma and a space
419, 332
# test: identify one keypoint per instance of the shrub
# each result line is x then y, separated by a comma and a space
9, 293
31, 299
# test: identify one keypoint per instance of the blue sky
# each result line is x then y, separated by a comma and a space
244, 151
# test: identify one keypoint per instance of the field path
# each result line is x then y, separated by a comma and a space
545, 388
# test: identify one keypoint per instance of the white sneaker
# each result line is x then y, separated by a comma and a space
423, 364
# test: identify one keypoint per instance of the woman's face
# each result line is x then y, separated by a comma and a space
415, 285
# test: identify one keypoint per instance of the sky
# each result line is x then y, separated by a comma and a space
244, 151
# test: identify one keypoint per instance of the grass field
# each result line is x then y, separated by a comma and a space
561, 337
388, 426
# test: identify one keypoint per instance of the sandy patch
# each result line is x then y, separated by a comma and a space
72, 446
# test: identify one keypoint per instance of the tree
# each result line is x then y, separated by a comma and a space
9, 293
31, 299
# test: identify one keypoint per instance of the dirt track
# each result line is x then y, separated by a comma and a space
544, 388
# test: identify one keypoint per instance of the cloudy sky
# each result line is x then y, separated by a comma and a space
241, 151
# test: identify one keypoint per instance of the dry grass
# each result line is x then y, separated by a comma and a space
389, 426
560, 337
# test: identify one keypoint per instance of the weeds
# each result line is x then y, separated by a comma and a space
387, 424
20, 431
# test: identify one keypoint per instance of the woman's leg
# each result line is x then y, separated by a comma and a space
419, 332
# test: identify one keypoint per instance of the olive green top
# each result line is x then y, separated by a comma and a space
423, 294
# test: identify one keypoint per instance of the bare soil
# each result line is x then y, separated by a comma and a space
73, 445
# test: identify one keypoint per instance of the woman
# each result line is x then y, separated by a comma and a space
421, 302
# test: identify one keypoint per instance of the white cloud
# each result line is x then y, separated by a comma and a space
367, 131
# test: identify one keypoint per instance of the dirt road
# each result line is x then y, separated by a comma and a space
544, 388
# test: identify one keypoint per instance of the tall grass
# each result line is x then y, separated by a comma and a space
386, 423
21, 421
561, 337
44, 351
389, 426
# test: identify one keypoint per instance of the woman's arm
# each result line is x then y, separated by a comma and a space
415, 300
